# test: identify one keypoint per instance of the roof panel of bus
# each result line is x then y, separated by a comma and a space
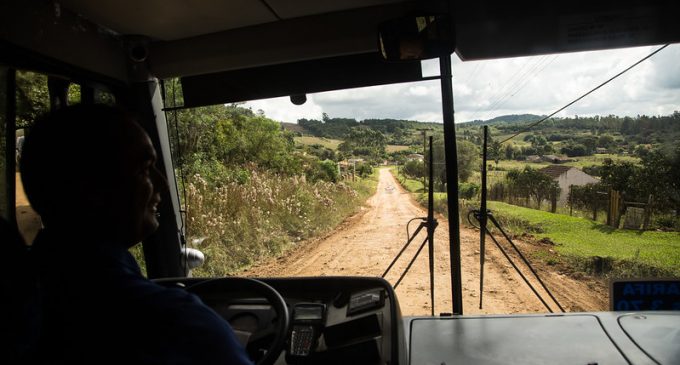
178, 19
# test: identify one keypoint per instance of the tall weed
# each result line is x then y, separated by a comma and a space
243, 222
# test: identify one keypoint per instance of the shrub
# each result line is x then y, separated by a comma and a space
467, 190
364, 170
244, 222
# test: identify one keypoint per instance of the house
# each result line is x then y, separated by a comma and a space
601, 150
555, 159
565, 176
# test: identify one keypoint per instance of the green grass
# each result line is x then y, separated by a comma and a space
598, 159
334, 143
366, 186
326, 142
634, 253
583, 239
414, 186
396, 148
517, 165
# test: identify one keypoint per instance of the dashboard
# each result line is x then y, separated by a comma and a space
333, 320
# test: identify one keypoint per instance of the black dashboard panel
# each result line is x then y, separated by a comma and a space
334, 320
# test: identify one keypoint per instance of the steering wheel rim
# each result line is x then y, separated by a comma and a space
262, 289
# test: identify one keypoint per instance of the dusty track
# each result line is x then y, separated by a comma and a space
367, 242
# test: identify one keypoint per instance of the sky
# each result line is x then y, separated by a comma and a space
523, 85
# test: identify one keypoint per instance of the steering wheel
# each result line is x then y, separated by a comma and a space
241, 286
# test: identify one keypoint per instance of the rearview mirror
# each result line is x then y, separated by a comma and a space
416, 38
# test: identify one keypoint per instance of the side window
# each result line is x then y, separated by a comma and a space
73, 95
32, 100
4, 192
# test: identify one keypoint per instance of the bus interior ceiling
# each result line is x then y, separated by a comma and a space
175, 40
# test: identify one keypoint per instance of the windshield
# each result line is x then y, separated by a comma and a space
337, 185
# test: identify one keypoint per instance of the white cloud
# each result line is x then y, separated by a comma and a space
283, 110
485, 89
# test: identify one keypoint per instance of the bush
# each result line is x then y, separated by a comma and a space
467, 190
414, 169
575, 150
329, 171
667, 223
364, 170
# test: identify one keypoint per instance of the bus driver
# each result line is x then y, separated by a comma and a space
89, 171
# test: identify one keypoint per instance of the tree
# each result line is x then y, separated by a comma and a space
363, 141
530, 183
232, 136
32, 97
510, 152
495, 151
414, 169
621, 176
605, 141
592, 197
468, 161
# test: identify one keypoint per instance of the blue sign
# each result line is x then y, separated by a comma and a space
639, 295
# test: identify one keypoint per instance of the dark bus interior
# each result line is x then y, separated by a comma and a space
240, 50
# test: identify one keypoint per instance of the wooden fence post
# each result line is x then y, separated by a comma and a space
614, 208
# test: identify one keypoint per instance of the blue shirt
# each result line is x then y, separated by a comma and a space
98, 308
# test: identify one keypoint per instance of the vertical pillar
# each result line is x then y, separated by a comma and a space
451, 183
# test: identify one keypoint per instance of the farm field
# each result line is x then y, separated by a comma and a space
334, 143
326, 142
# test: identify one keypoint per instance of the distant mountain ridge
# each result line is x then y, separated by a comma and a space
510, 118
397, 131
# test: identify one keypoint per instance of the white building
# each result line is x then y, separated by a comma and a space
565, 177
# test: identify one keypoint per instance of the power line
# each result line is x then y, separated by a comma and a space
510, 82
495, 105
478, 68
584, 95
522, 85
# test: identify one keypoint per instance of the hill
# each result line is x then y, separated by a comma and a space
573, 136
511, 118
293, 127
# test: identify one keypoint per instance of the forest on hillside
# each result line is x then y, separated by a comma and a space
639, 156
572, 136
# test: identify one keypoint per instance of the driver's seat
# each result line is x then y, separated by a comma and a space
20, 309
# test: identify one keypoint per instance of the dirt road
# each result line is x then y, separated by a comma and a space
366, 243
28, 220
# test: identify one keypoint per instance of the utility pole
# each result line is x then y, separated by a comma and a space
423, 131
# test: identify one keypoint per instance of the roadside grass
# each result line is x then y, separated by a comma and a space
413, 186
416, 187
588, 246
616, 252
242, 223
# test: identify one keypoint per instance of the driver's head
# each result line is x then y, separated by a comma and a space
91, 169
